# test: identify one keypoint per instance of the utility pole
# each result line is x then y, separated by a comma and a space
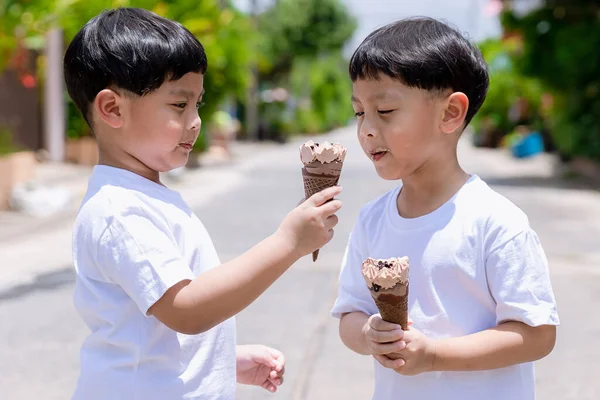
54, 102
252, 92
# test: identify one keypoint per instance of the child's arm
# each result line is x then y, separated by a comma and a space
195, 306
507, 344
411, 352
353, 335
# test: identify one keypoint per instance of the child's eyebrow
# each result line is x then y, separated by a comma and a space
184, 92
378, 96
385, 96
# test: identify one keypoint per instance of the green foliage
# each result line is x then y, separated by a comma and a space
507, 84
7, 146
302, 29
325, 83
227, 38
560, 47
21, 26
224, 32
301, 42
290, 36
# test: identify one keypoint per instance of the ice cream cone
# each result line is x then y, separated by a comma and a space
388, 284
322, 169
393, 304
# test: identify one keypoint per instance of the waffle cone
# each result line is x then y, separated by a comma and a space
319, 176
393, 304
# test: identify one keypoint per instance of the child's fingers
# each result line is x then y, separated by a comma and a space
267, 385
378, 324
411, 336
279, 360
265, 357
318, 199
387, 363
385, 336
276, 381
331, 222
275, 373
330, 208
387, 348
270, 357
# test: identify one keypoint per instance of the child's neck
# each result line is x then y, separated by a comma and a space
130, 164
429, 188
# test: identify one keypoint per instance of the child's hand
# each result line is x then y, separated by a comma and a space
383, 337
310, 225
260, 365
416, 357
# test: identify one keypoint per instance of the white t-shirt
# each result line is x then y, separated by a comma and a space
474, 262
134, 239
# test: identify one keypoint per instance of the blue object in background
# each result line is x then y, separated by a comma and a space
530, 145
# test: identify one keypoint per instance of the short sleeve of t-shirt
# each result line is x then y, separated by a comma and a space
519, 281
137, 252
353, 293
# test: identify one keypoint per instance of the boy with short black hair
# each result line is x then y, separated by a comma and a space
480, 298
149, 284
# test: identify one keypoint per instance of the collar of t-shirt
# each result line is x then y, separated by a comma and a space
424, 221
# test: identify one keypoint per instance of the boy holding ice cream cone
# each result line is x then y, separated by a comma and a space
480, 298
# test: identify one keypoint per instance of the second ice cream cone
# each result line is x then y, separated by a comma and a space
318, 177
322, 169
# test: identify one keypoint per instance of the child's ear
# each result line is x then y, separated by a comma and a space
108, 106
455, 111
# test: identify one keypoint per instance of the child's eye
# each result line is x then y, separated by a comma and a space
180, 105
385, 111
359, 114
199, 105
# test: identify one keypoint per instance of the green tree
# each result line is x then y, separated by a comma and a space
224, 32
302, 28
301, 49
560, 47
507, 85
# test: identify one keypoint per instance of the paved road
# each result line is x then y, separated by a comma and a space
243, 203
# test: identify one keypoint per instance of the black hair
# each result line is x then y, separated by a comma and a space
130, 49
427, 54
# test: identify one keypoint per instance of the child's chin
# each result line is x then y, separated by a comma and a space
389, 175
175, 166
178, 163
170, 167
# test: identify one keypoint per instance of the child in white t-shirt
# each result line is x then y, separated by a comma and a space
149, 284
480, 298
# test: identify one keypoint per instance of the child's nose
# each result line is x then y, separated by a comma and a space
196, 123
367, 129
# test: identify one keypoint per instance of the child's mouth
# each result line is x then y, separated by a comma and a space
378, 155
